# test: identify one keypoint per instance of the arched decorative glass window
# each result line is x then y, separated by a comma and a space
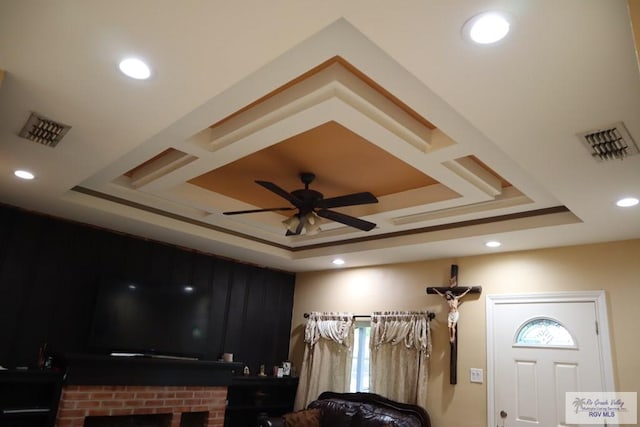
544, 332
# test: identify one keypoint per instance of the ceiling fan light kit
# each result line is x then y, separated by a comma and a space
309, 224
312, 205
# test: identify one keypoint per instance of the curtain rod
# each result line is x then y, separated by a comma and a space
355, 316
431, 315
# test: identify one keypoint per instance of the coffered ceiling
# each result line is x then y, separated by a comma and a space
460, 143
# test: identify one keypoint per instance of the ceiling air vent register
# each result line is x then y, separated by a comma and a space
612, 142
43, 130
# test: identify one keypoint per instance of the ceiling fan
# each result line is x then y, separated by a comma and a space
312, 204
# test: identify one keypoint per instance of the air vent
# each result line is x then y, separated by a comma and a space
612, 142
43, 130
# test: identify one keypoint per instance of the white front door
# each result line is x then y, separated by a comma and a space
539, 348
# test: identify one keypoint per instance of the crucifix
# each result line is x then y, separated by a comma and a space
453, 294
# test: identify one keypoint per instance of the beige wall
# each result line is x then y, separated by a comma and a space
614, 267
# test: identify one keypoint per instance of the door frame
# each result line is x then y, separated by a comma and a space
604, 342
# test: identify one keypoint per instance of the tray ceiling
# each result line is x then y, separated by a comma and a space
459, 144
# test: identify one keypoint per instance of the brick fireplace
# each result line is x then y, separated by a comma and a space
81, 401
187, 393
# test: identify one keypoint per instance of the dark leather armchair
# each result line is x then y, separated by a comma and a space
360, 410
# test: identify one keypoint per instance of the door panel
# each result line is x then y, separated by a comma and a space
527, 391
531, 379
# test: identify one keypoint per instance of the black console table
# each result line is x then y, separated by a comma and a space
29, 398
249, 396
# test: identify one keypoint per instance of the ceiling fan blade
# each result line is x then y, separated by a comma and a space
258, 210
346, 219
347, 200
280, 192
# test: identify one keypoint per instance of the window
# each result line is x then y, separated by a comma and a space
544, 332
360, 361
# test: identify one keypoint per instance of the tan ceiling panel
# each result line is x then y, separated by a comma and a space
503, 182
634, 13
342, 161
322, 67
159, 157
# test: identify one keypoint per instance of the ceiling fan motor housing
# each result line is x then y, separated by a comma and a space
309, 199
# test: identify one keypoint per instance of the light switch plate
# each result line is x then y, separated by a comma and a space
475, 375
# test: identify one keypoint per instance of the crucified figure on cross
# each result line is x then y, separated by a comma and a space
454, 314
453, 294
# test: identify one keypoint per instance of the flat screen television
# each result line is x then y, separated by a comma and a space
150, 319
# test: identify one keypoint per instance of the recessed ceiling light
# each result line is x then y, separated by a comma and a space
23, 174
487, 28
188, 288
338, 261
493, 244
135, 68
627, 202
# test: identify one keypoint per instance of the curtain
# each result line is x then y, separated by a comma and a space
327, 356
400, 349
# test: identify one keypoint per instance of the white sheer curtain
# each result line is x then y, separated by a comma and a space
327, 356
400, 349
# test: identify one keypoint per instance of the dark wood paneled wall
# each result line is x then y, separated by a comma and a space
50, 270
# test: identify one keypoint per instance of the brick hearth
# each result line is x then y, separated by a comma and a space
80, 401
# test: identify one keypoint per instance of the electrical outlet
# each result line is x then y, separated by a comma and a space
475, 375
